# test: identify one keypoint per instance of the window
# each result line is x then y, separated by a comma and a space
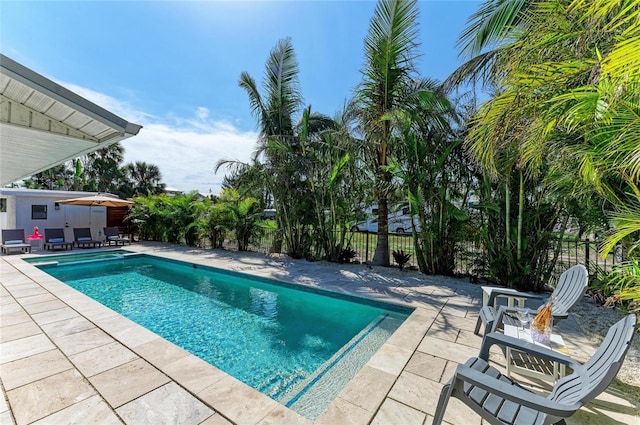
3, 204
38, 212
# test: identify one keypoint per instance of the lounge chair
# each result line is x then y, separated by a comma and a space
113, 236
570, 288
82, 236
13, 240
54, 239
499, 400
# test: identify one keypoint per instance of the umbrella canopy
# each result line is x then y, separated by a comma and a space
97, 200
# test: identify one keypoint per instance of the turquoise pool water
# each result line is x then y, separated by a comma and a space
299, 347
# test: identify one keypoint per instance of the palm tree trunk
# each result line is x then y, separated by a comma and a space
520, 214
381, 254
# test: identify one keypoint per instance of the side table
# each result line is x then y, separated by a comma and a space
36, 241
529, 365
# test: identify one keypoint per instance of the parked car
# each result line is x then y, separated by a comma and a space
399, 227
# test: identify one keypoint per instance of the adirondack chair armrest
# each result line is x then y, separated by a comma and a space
495, 338
517, 394
498, 292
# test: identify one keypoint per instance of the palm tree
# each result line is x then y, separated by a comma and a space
390, 50
275, 110
102, 168
566, 72
244, 217
144, 178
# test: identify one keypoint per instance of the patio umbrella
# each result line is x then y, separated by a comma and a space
97, 200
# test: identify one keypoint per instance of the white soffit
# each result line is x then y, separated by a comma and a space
43, 124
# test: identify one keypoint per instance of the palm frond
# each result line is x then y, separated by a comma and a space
491, 25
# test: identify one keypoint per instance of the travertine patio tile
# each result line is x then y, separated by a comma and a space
344, 413
93, 410
193, 373
427, 366
126, 331
161, 352
167, 404
446, 349
54, 315
44, 306
216, 419
237, 401
41, 398
458, 413
21, 330
12, 307
447, 333
452, 310
5, 418
24, 347
411, 332
392, 413
15, 318
34, 299
124, 383
282, 415
26, 290
368, 388
417, 392
33, 368
67, 327
462, 323
449, 370
415, 299
97, 360
469, 339
82, 341
390, 359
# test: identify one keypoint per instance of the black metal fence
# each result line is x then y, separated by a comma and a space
468, 253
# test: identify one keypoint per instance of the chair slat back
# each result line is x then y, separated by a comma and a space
53, 233
12, 235
571, 287
596, 374
111, 231
81, 232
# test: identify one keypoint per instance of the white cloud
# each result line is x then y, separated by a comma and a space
185, 149
187, 154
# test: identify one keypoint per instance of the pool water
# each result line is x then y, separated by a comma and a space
299, 347
75, 258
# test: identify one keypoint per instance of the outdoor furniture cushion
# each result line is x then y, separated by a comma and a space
83, 239
14, 242
56, 240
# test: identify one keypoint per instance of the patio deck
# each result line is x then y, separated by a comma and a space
66, 359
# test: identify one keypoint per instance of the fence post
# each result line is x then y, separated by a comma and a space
587, 246
366, 249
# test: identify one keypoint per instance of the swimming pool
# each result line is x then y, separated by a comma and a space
298, 345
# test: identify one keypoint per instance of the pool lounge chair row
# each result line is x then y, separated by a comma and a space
54, 238
14, 241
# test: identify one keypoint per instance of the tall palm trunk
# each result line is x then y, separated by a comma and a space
381, 254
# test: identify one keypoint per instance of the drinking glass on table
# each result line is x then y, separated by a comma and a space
524, 317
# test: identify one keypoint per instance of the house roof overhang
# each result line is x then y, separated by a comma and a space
43, 124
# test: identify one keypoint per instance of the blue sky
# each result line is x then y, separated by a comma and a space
173, 66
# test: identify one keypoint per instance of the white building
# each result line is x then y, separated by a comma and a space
27, 208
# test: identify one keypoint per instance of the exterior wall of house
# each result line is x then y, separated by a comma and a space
21, 213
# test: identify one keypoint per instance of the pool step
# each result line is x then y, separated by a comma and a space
278, 384
313, 395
